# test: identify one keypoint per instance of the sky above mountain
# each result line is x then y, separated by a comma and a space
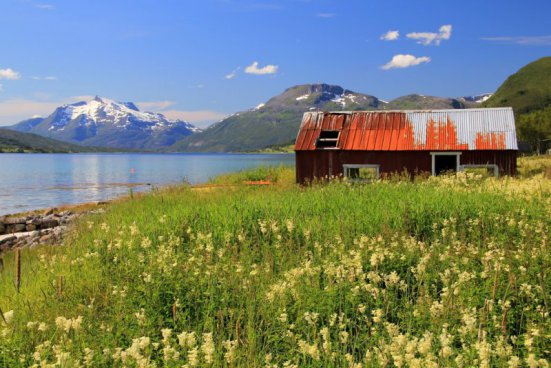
202, 60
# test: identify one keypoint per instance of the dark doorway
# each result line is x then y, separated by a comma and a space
444, 164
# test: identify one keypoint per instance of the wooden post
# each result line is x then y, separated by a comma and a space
17, 269
2, 315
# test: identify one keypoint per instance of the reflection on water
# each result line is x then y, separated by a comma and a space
31, 181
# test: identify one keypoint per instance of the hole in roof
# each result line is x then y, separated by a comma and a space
328, 139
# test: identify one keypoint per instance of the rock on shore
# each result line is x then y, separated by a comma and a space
30, 230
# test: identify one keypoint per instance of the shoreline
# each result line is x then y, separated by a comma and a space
48, 225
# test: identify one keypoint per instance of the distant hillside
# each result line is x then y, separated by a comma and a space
528, 92
416, 102
13, 141
26, 126
276, 122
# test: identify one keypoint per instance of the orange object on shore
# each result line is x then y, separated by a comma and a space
258, 182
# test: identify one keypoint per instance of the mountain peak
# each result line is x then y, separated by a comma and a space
322, 96
107, 101
315, 88
105, 122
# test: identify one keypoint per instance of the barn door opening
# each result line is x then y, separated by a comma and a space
445, 162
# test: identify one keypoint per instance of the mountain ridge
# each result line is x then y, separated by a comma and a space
105, 122
276, 122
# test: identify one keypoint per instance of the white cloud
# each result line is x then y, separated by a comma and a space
522, 40
9, 74
48, 78
391, 36
326, 15
405, 61
233, 74
45, 6
200, 118
154, 105
80, 98
15, 110
1, 88
254, 69
429, 38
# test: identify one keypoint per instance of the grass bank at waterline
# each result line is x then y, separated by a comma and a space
447, 272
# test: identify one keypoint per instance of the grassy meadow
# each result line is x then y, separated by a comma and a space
440, 272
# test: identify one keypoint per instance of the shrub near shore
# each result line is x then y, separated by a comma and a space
442, 272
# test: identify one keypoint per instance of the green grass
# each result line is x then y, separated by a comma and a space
440, 272
278, 175
282, 148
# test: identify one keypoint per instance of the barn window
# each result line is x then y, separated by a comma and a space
361, 173
484, 170
328, 139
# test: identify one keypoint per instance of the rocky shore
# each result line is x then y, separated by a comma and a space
18, 231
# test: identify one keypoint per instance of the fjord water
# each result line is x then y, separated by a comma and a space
34, 181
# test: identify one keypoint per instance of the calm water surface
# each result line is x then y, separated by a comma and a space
33, 181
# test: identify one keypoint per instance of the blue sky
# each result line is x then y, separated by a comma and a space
195, 59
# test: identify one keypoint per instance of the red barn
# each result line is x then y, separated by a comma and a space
367, 144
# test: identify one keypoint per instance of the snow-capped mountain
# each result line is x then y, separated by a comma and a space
104, 122
478, 98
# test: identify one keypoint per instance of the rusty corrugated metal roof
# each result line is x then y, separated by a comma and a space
422, 130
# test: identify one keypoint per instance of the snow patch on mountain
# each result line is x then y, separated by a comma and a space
347, 98
340, 100
478, 98
484, 98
